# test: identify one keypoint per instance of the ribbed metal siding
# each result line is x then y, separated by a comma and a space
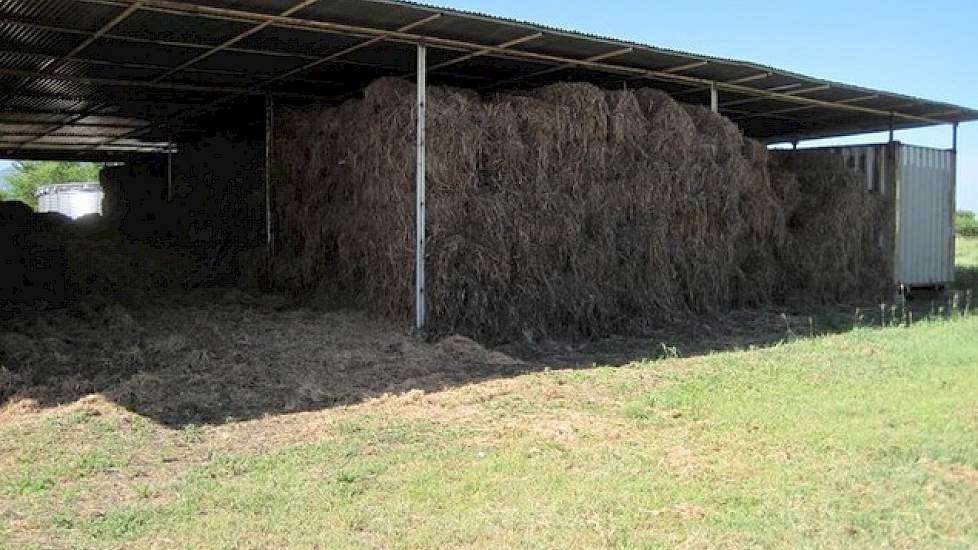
925, 216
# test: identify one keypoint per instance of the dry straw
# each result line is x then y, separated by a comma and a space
570, 210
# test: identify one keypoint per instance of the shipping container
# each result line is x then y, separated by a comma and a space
925, 184
923, 181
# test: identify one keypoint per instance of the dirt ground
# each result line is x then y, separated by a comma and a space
212, 357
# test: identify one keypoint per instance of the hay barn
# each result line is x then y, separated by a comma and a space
451, 171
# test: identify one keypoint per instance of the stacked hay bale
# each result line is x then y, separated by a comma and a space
31, 267
841, 235
570, 210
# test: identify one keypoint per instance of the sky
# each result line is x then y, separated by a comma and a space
925, 50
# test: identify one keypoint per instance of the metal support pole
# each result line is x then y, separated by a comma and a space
794, 145
420, 192
891, 127
714, 98
954, 187
169, 172
269, 136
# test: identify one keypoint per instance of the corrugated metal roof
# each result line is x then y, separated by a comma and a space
163, 63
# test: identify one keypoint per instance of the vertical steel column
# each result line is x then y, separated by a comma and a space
169, 171
891, 127
714, 98
954, 191
420, 191
269, 136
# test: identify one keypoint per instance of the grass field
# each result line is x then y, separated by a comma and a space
864, 439
967, 260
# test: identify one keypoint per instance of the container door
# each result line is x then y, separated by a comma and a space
925, 216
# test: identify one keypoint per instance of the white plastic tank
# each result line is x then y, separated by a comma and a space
71, 199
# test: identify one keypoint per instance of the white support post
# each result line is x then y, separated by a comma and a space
420, 192
714, 98
953, 195
269, 136
169, 171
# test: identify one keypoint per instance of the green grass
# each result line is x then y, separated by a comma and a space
967, 260
967, 252
864, 439
860, 440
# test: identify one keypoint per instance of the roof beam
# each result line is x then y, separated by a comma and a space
741, 80
129, 126
114, 22
943, 113
37, 136
482, 52
782, 90
54, 64
671, 70
599, 57
138, 40
834, 132
451, 62
232, 41
11, 93
335, 57
103, 31
123, 83
31, 122
323, 26
287, 74
686, 67
734, 112
93, 125
149, 66
314, 60
147, 148
804, 108
55, 128
108, 82
83, 156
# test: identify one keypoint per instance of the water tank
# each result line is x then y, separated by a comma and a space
71, 199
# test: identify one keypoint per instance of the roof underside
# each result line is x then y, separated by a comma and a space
97, 79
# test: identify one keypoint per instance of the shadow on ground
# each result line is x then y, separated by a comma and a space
967, 278
219, 357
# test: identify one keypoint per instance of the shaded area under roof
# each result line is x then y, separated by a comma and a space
99, 79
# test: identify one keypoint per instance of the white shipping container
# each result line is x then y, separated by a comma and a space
925, 183
71, 199
924, 180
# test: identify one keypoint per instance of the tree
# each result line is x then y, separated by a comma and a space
28, 175
966, 224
